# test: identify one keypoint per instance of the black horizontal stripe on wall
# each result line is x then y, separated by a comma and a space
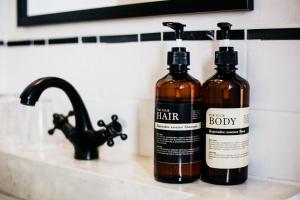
19, 43
274, 34
190, 35
150, 37
252, 34
119, 38
39, 42
89, 39
69, 40
234, 34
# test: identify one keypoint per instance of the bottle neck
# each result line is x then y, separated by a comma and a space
226, 69
178, 69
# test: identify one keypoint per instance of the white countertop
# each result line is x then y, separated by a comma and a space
54, 174
6, 197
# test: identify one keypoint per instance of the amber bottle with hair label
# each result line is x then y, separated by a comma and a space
177, 119
224, 138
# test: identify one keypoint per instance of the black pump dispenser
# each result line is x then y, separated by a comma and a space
226, 56
178, 56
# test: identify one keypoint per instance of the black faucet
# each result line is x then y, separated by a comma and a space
83, 137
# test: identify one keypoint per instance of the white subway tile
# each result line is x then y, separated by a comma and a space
3, 67
146, 127
202, 58
274, 145
87, 67
153, 67
117, 73
273, 73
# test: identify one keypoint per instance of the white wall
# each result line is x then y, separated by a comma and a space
120, 78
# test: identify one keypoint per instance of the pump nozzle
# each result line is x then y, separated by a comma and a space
225, 28
178, 56
177, 27
226, 56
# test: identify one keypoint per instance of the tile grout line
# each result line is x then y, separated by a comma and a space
246, 54
273, 110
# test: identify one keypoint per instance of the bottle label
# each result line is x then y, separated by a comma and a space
177, 132
227, 137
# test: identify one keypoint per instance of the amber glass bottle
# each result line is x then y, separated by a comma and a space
178, 91
177, 121
224, 90
224, 139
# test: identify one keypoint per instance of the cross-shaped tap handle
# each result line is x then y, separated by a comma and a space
112, 130
101, 123
59, 120
51, 131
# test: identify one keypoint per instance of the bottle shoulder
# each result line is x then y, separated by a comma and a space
223, 81
177, 80
183, 87
226, 91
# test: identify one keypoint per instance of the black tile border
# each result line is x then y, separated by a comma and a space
39, 42
199, 35
119, 38
238, 34
70, 40
234, 34
89, 39
274, 34
12, 43
190, 35
168, 36
146, 37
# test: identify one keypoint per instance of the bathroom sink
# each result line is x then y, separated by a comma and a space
55, 175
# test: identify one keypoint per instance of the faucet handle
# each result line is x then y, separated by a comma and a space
51, 131
112, 130
56, 120
59, 120
101, 123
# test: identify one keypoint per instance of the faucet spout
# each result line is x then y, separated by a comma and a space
83, 137
32, 93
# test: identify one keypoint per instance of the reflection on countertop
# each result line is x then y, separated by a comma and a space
55, 175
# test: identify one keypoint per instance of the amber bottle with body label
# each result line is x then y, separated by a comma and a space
177, 120
224, 138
